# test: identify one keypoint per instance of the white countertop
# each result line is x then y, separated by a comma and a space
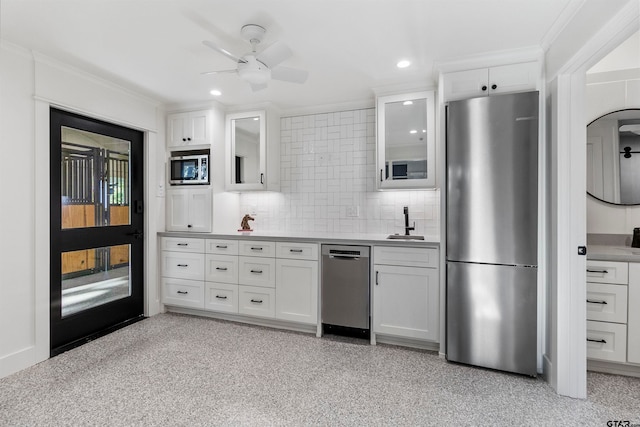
613, 253
347, 238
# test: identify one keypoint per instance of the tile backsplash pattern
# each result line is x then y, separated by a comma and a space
328, 172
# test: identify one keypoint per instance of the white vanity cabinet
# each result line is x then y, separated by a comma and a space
189, 209
252, 151
182, 272
297, 282
406, 292
190, 128
519, 77
607, 301
633, 318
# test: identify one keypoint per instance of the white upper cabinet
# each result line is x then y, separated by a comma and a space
406, 141
191, 128
250, 165
494, 80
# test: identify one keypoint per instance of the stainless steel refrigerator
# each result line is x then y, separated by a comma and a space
492, 229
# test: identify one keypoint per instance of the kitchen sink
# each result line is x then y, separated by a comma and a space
404, 237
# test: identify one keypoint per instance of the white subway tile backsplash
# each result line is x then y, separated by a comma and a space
328, 173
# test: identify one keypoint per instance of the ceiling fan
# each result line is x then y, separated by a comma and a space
257, 68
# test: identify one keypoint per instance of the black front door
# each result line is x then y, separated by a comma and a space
96, 228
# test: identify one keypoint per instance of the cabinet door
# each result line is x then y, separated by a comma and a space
177, 210
176, 131
513, 78
465, 84
633, 324
200, 210
406, 302
246, 160
297, 290
198, 128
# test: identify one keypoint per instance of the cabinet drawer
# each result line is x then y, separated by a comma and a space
607, 341
408, 257
177, 244
256, 271
182, 265
606, 303
257, 248
308, 251
221, 297
221, 268
222, 247
607, 272
255, 301
183, 293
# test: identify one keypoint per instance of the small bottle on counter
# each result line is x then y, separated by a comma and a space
635, 243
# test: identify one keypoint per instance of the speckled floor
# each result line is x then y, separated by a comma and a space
173, 370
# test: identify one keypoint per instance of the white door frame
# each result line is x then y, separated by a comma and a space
568, 374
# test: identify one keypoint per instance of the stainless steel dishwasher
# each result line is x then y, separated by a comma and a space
345, 289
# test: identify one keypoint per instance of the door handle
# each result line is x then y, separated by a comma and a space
138, 234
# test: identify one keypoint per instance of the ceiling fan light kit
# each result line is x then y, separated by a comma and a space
257, 68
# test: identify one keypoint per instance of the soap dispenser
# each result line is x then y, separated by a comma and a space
635, 243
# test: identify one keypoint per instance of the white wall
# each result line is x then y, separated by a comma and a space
608, 92
30, 84
327, 168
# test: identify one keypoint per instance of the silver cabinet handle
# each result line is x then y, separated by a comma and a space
221, 268
183, 265
598, 341
298, 251
221, 296
256, 271
590, 301
597, 271
257, 301
183, 292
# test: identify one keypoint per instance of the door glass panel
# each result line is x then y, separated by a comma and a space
406, 139
95, 179
96, 276
246, 142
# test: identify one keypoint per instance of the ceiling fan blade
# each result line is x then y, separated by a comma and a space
274, 54
287, 74
219, 72
256, 87
223, 51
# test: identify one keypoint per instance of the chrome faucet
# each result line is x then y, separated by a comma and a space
406, 222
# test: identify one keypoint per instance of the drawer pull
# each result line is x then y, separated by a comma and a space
182, 244
598, 341
597, 271
298, 251
225, 269
590, 301
221, 246
257, 301
221, 296
183, 292
256, 248
257, 271
183, 265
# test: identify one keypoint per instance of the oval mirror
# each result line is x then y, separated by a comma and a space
613, 157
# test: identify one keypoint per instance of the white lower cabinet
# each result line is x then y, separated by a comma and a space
256, 301
297, 290
607, 341
221, 297
406, 296
183, 292
633, 319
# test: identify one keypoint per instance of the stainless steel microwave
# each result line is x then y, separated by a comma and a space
189, 167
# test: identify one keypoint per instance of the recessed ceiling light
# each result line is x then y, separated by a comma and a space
403, 64
215, 92
407, 103
413, 131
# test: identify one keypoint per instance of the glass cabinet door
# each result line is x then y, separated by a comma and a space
406, 141
246, 151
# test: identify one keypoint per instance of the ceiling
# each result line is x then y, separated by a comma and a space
349, 47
